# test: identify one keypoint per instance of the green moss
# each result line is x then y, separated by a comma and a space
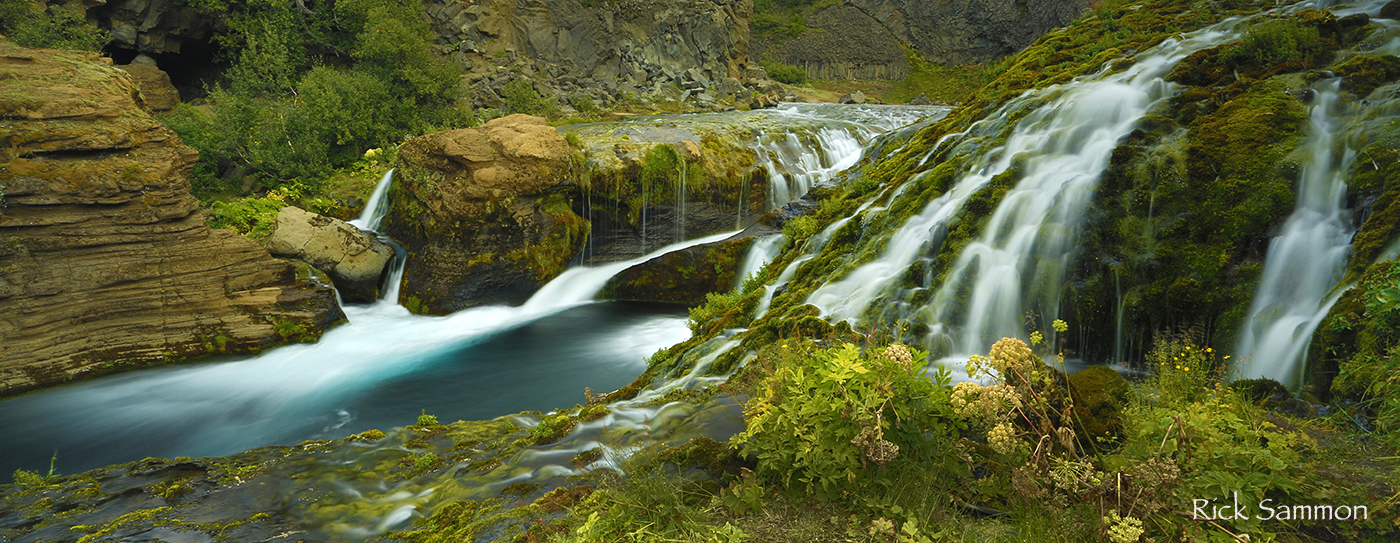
1100, 395
1364, 73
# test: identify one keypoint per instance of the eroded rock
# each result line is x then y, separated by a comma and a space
355, 260
485, 213
105, 258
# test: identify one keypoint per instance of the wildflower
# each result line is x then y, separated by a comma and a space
1188, 368
899, 354
1060, 326
1002, 438
1227, 357
1209, 350
1178, 366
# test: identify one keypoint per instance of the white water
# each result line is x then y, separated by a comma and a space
758, 255
796, 163
1305, 261
1061, 148
377, 206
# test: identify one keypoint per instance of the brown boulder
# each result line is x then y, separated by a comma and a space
156, 89
354, 259
105, 259
485, 213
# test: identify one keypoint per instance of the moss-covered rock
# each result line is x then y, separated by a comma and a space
683, 277
1100, 395
485, 213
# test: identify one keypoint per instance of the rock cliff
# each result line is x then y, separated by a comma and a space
861, 39
105, 258
601, 49
485, 213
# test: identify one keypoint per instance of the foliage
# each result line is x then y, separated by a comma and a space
252, 217
424, 419
1185, 372
1277, 41
716, 304
1370, 365
34, 23
520, 97
826, 415
308, 91
785, 73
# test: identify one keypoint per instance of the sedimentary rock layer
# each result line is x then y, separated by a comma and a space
105, 258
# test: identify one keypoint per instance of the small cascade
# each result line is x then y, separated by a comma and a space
1305, 261
762, 251
377, 206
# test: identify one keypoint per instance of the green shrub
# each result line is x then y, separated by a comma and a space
306, 93
520, 97
785, 73
1276, 42
32, 23
823, 417
252, 217
424, 419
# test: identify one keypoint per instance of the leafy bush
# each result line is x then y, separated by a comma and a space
424, 419
252, 217
309, 92
821, 418
33, 23
785, 73
520, 97
1276, 42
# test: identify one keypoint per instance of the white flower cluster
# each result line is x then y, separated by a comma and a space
900, 354
990, 404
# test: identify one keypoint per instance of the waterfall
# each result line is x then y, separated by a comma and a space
1305, 261
377, 206
760, 252
795, 162
1058, 151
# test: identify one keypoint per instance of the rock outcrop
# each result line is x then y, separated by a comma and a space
156, 89
485, 213
603, 50
354, 260
105, 258
861, 39
684, 276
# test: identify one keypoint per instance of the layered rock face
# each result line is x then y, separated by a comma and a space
105, 259
860, 39
485, 213
964, 31
354, 260
601, 49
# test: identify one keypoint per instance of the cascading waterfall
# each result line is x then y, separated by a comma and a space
377, 206
1058, 150
1305, 261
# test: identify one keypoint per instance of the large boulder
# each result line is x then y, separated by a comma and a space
355, 260
105, 258
485, 213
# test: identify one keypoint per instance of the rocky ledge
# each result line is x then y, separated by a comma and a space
105, 259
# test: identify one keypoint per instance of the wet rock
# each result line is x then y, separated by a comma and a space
856, 97
684, 276
105, 255
354, 259
920, 100
1391, 10
485, 213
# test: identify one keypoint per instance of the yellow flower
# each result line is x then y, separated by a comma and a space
1178, 366
785, 346
1188, 368
1208, 350
1188, 347
1227, 357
